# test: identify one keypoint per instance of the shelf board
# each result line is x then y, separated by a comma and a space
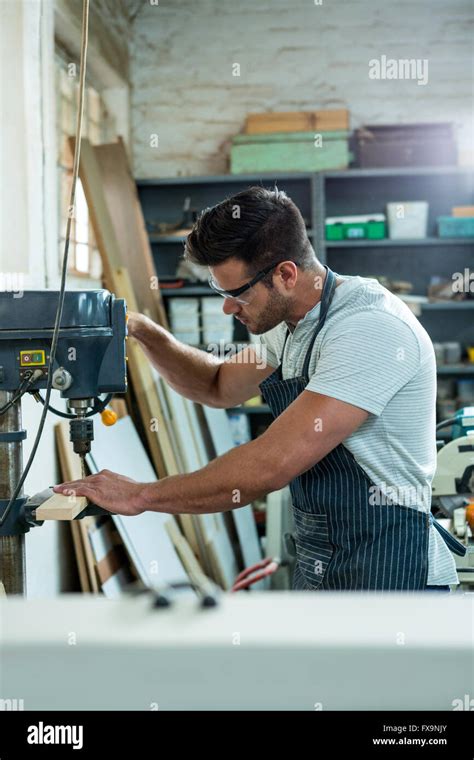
397, 243
188, 290
154, 238
442, 305
455, 369
224, 178
397, 171
389, 171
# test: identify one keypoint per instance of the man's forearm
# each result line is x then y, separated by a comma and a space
228, 482
191, 372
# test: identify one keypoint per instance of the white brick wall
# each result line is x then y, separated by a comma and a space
293, 55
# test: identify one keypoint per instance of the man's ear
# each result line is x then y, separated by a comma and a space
288, 272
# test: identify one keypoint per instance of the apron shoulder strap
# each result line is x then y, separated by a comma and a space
326, 299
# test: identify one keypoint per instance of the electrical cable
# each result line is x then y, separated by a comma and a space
62, 290
20, 391
98, 407
445, 423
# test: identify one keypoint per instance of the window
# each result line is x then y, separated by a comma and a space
98, 126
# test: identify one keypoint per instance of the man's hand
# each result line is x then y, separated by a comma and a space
118, 494
136, 323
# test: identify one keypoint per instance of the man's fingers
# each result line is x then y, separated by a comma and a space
89, 481
74, 489
63, 487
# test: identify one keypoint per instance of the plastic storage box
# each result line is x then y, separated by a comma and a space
407, 220
184, 319
217, 327
455, 227
356, 227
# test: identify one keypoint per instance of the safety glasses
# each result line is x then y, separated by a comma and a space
237, 294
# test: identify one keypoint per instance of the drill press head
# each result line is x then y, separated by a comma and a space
90, 355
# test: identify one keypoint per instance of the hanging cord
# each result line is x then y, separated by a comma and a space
98, 407
446, 423
20, 391
59, 312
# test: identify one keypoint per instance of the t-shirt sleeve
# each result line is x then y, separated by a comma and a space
365, 360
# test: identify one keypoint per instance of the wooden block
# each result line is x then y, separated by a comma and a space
297, 121
463, 211
60, 507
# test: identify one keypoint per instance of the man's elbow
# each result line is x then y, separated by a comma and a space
281, 467
275, 476
214, 397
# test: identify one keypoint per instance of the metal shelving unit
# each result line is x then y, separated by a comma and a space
339, 193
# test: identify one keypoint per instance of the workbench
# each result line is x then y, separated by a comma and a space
272, 651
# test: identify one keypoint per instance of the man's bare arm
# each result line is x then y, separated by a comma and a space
307, 430
199, 375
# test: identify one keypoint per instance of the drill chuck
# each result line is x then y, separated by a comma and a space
81, 433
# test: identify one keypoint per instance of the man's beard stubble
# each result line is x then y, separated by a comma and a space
275, 312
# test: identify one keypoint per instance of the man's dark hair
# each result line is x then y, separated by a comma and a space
257, 226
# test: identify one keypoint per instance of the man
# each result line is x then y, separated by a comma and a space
350, 377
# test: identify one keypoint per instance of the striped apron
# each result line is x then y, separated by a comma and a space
342, 541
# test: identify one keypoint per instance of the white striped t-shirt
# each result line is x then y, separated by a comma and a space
373, 353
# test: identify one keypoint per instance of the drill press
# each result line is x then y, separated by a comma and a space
90, 361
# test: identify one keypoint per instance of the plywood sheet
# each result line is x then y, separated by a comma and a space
148, 401
125, 211
221, 434
213, 544
118, 281
118, 448
111, 570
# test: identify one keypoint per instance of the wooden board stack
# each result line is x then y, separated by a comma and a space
297, 121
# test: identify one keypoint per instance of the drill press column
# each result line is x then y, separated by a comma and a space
12, 548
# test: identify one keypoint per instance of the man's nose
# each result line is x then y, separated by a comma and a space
230, 306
